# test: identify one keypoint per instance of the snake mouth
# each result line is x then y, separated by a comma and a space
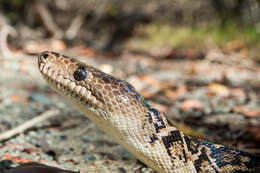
69, 88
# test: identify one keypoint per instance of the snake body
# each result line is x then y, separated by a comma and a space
117, 109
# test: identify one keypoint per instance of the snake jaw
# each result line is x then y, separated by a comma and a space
99, 90
61, 80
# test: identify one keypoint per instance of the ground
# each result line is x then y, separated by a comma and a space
203, 93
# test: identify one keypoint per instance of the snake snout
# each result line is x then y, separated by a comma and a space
47, 55
43, 57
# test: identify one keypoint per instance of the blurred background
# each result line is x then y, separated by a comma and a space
118, 26
196, 62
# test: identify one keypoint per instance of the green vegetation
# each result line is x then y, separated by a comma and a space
162, 35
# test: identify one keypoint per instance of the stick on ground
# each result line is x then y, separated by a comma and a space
23, 127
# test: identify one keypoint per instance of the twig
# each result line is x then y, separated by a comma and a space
21, 128
7, 30
47, 20
4, 32
75, 26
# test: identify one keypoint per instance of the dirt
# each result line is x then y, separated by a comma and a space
217, 101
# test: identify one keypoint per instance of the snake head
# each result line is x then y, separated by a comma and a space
89, 87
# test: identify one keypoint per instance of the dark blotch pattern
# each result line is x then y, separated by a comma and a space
153, 138
169, 140
158, 120
205, 156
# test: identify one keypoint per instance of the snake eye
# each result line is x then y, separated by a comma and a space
80, 73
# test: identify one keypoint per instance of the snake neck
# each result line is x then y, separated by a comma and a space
159, 144
166, 149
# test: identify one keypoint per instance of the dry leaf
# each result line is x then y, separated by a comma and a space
218, 89
238, 93
35, 47
181, 90
170, 93
247, 111
31, 150
173, 93
150, 80
159, 85
8, 156
18, 98
57, 45
161, 108
15, 147
191, 104
85, 51
146, 93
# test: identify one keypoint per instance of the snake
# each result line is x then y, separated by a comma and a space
121, 112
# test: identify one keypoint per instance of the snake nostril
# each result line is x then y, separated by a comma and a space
45, 55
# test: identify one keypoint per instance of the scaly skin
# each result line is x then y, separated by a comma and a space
116, 108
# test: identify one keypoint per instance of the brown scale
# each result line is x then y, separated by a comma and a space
71, 68
119, 98
66, 61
